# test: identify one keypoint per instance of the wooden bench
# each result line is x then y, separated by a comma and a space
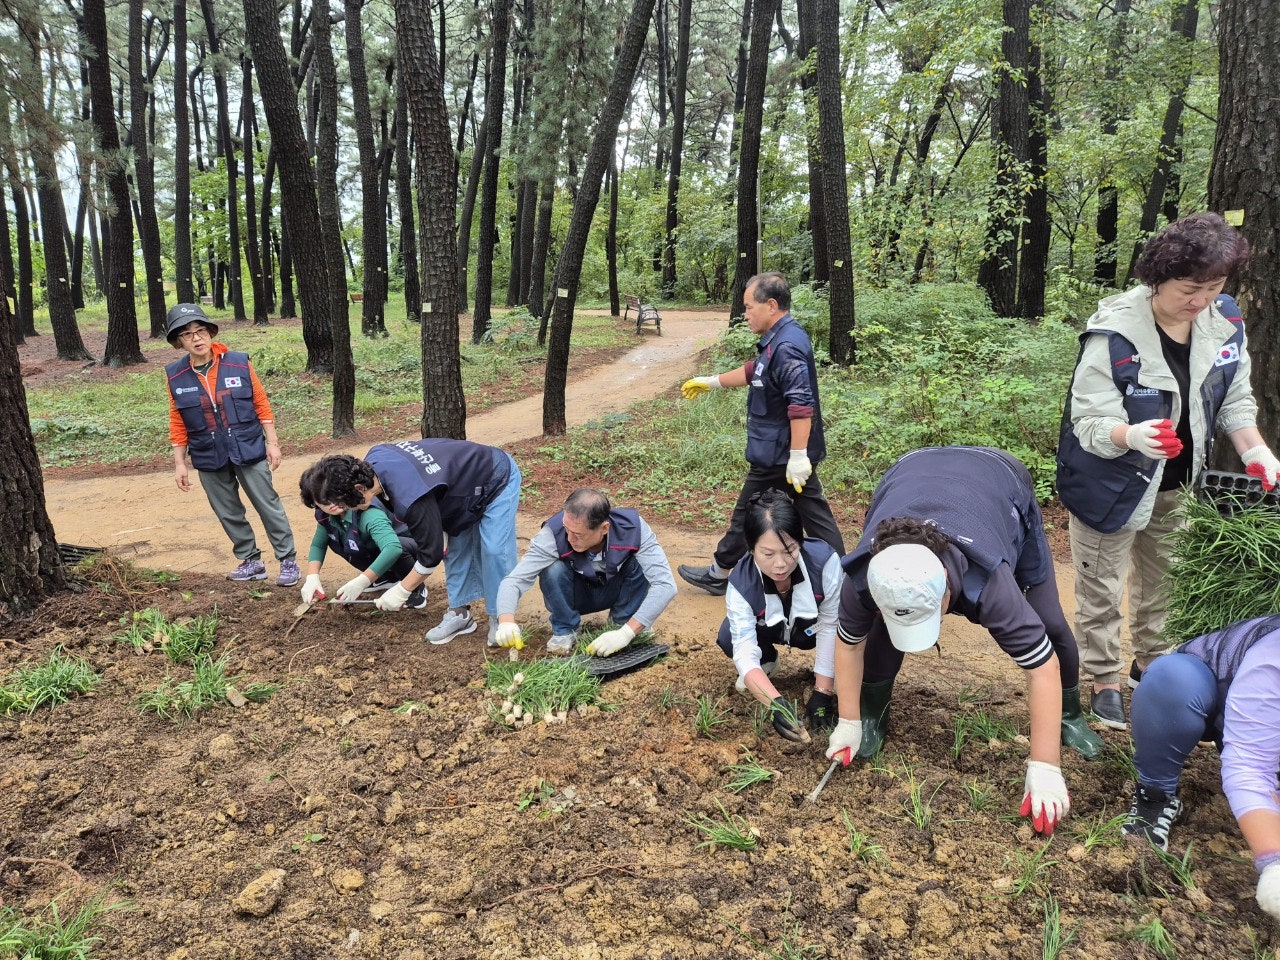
357, 298
645, 313
207, 300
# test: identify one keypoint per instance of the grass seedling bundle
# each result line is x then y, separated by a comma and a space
50, 683
544, 688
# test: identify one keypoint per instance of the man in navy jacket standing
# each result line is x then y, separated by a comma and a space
784, 426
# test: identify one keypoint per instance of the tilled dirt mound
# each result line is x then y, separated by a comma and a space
372, 809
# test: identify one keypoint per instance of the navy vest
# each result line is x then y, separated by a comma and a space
464, 477
353, 547
1223, 650
221, 432
977, 496
1104, 492
768, 426
746, 579
623, 542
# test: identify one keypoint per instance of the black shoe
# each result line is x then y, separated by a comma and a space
702, 577
1135, 675
417, 598
1108, 707
1152, 815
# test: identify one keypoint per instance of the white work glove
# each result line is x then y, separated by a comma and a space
799, 469
352, 589
1046, 800
1156, 439
1269, 890
509, 635
698, 386
610, 642
1261, 463
393, 599
312, 588
845, 740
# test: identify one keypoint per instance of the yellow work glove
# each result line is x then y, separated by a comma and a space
698, 386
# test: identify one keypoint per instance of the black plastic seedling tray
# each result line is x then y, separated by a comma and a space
1230, 492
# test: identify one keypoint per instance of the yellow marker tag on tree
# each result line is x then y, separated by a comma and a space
1234, 217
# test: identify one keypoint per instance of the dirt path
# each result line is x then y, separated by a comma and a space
146, 519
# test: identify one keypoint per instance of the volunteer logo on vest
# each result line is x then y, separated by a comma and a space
233, 381
1132, 391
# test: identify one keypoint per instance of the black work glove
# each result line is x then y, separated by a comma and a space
785, 720
820, 712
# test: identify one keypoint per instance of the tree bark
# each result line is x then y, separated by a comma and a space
1108, 220
227, 150
299, 211
806, 22
404, 201
327, 163
1033, 257
444, 406
1244, 176
185, 289
569, 266
122, 320
486, 243
842, 346
144, 174
468, 209
264, 230
247, 124
541, 244
683, 19
749, 150
374, 242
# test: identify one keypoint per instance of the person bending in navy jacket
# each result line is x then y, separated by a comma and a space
466, 490
784, 426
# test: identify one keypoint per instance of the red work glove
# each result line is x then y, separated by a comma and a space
1153, 438
1261, 463
1046, 800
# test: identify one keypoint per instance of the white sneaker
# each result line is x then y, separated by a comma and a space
453, 625
561, 644
768, 669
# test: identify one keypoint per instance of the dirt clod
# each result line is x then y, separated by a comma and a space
261, 895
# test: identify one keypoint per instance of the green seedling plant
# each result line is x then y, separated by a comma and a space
51, 682
1120, 759
589, 631
1180, 867
918, 807
181, 700
979, 794
983, 727
732, 831
788, 949
760, 719
1099, 831
182, 641
1031, 868
1257, 949
1055, 938
1155, 936
747, 773
541, 792
409, 708
668, 699
50, 936
542, 690
861, 846
711, 714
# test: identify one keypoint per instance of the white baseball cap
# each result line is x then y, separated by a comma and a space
907, 582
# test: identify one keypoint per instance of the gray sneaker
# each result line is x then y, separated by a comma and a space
453, 625
249, 570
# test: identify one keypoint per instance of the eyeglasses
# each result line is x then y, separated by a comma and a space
191, 334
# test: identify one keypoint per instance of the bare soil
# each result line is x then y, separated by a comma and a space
430, 832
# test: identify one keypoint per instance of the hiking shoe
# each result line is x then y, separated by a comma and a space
1152, 814
417, 597
1135, 675
703, 577
453, 625
1108, 707
768, 667
561, 644
289, 573
252, 570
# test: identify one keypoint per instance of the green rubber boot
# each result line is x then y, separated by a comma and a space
875, 716
1075, 732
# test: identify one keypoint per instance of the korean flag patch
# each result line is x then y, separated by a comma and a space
1228, 353
235, 381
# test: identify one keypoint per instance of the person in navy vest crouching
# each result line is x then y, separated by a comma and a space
438, 487
958, 530
1225, 687
220, 416
589, 557
784, 593
1161, 368
367, 537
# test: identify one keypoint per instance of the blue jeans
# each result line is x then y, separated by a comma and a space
480, 556
1174, 708
568, 596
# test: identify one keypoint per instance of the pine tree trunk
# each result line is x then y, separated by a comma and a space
182, 258
749, 150
374, 243
611, 239
298, 209
806, 16
569, 266
404, 202
264, 230
842, 345
468, 209
144, 174
1244, 174
541, 243
327, 165
486, 243
247, 110
1033, 259
1107, 224
683, 20
444, 407
227, 150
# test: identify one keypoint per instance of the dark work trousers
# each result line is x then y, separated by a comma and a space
884, 660
815, 512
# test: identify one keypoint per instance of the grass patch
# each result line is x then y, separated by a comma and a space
53, 681
181, 700
51, 936
747, 773
731, 831
860, 844
983, 727
711, 714
1155, 937
1055, 938
543, 687
181, 640
1098, 831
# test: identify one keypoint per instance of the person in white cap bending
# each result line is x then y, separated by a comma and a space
958, 530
